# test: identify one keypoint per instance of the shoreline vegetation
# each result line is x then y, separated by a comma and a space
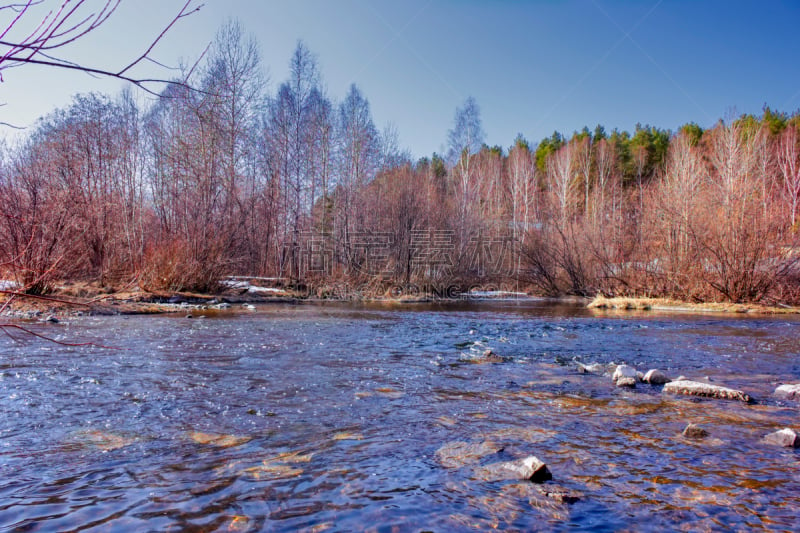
626, 304
234, 181
86, 299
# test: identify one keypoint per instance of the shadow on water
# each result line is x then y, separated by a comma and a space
339, 417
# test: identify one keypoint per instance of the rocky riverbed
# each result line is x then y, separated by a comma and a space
334, 416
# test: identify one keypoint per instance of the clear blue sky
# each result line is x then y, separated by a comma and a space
533, 66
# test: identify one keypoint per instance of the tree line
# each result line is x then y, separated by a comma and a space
222, 177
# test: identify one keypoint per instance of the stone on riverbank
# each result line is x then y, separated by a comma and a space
530, 468
655, 377
785, 437
707, 390
788, 392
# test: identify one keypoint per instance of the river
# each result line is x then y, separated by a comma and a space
328, 417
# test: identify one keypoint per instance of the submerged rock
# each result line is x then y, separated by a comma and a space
788, 392
559, 494
487, 356
655, 377
458, 454
346, 435
693, 431
530, 468
490, 357
103, 441
625, 376
216, 439
707, 390
785, 437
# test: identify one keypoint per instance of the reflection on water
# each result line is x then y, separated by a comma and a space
329, 418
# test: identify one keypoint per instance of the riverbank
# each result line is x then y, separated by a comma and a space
91, 299
85, 299
601, 303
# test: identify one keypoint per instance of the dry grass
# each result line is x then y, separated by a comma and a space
664, 304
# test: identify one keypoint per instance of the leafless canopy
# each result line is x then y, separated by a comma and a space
40, 32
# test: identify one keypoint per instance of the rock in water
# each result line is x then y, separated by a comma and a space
785, 437
625, 376
530, 468
559, 494
593, 368
655, 377
697, 388
626, 382
788, 392
458, 454
215, 439
693, 431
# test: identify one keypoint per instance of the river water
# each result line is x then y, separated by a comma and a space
329, 418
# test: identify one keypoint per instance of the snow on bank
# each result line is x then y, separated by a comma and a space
497, 295
8, 285
250, 288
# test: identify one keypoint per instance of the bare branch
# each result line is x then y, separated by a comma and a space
5, 327
48, 42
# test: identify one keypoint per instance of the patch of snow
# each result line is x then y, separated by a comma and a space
496, 294
262, 290
233, 284
8, 285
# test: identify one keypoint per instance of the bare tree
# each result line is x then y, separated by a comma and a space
678, 201
42, 32
789, 164
358, 160
523, 189
583, 162
561, 181
467, 134
464, 140
606, 160
299, 127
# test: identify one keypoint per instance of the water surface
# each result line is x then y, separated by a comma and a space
329, 417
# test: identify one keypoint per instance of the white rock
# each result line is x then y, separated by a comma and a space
592, 368
624, 371
785, 437
626, 382
697, 388
788, 392
655, 377
625, 376
530, 468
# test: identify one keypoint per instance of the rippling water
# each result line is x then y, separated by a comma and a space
329, 417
